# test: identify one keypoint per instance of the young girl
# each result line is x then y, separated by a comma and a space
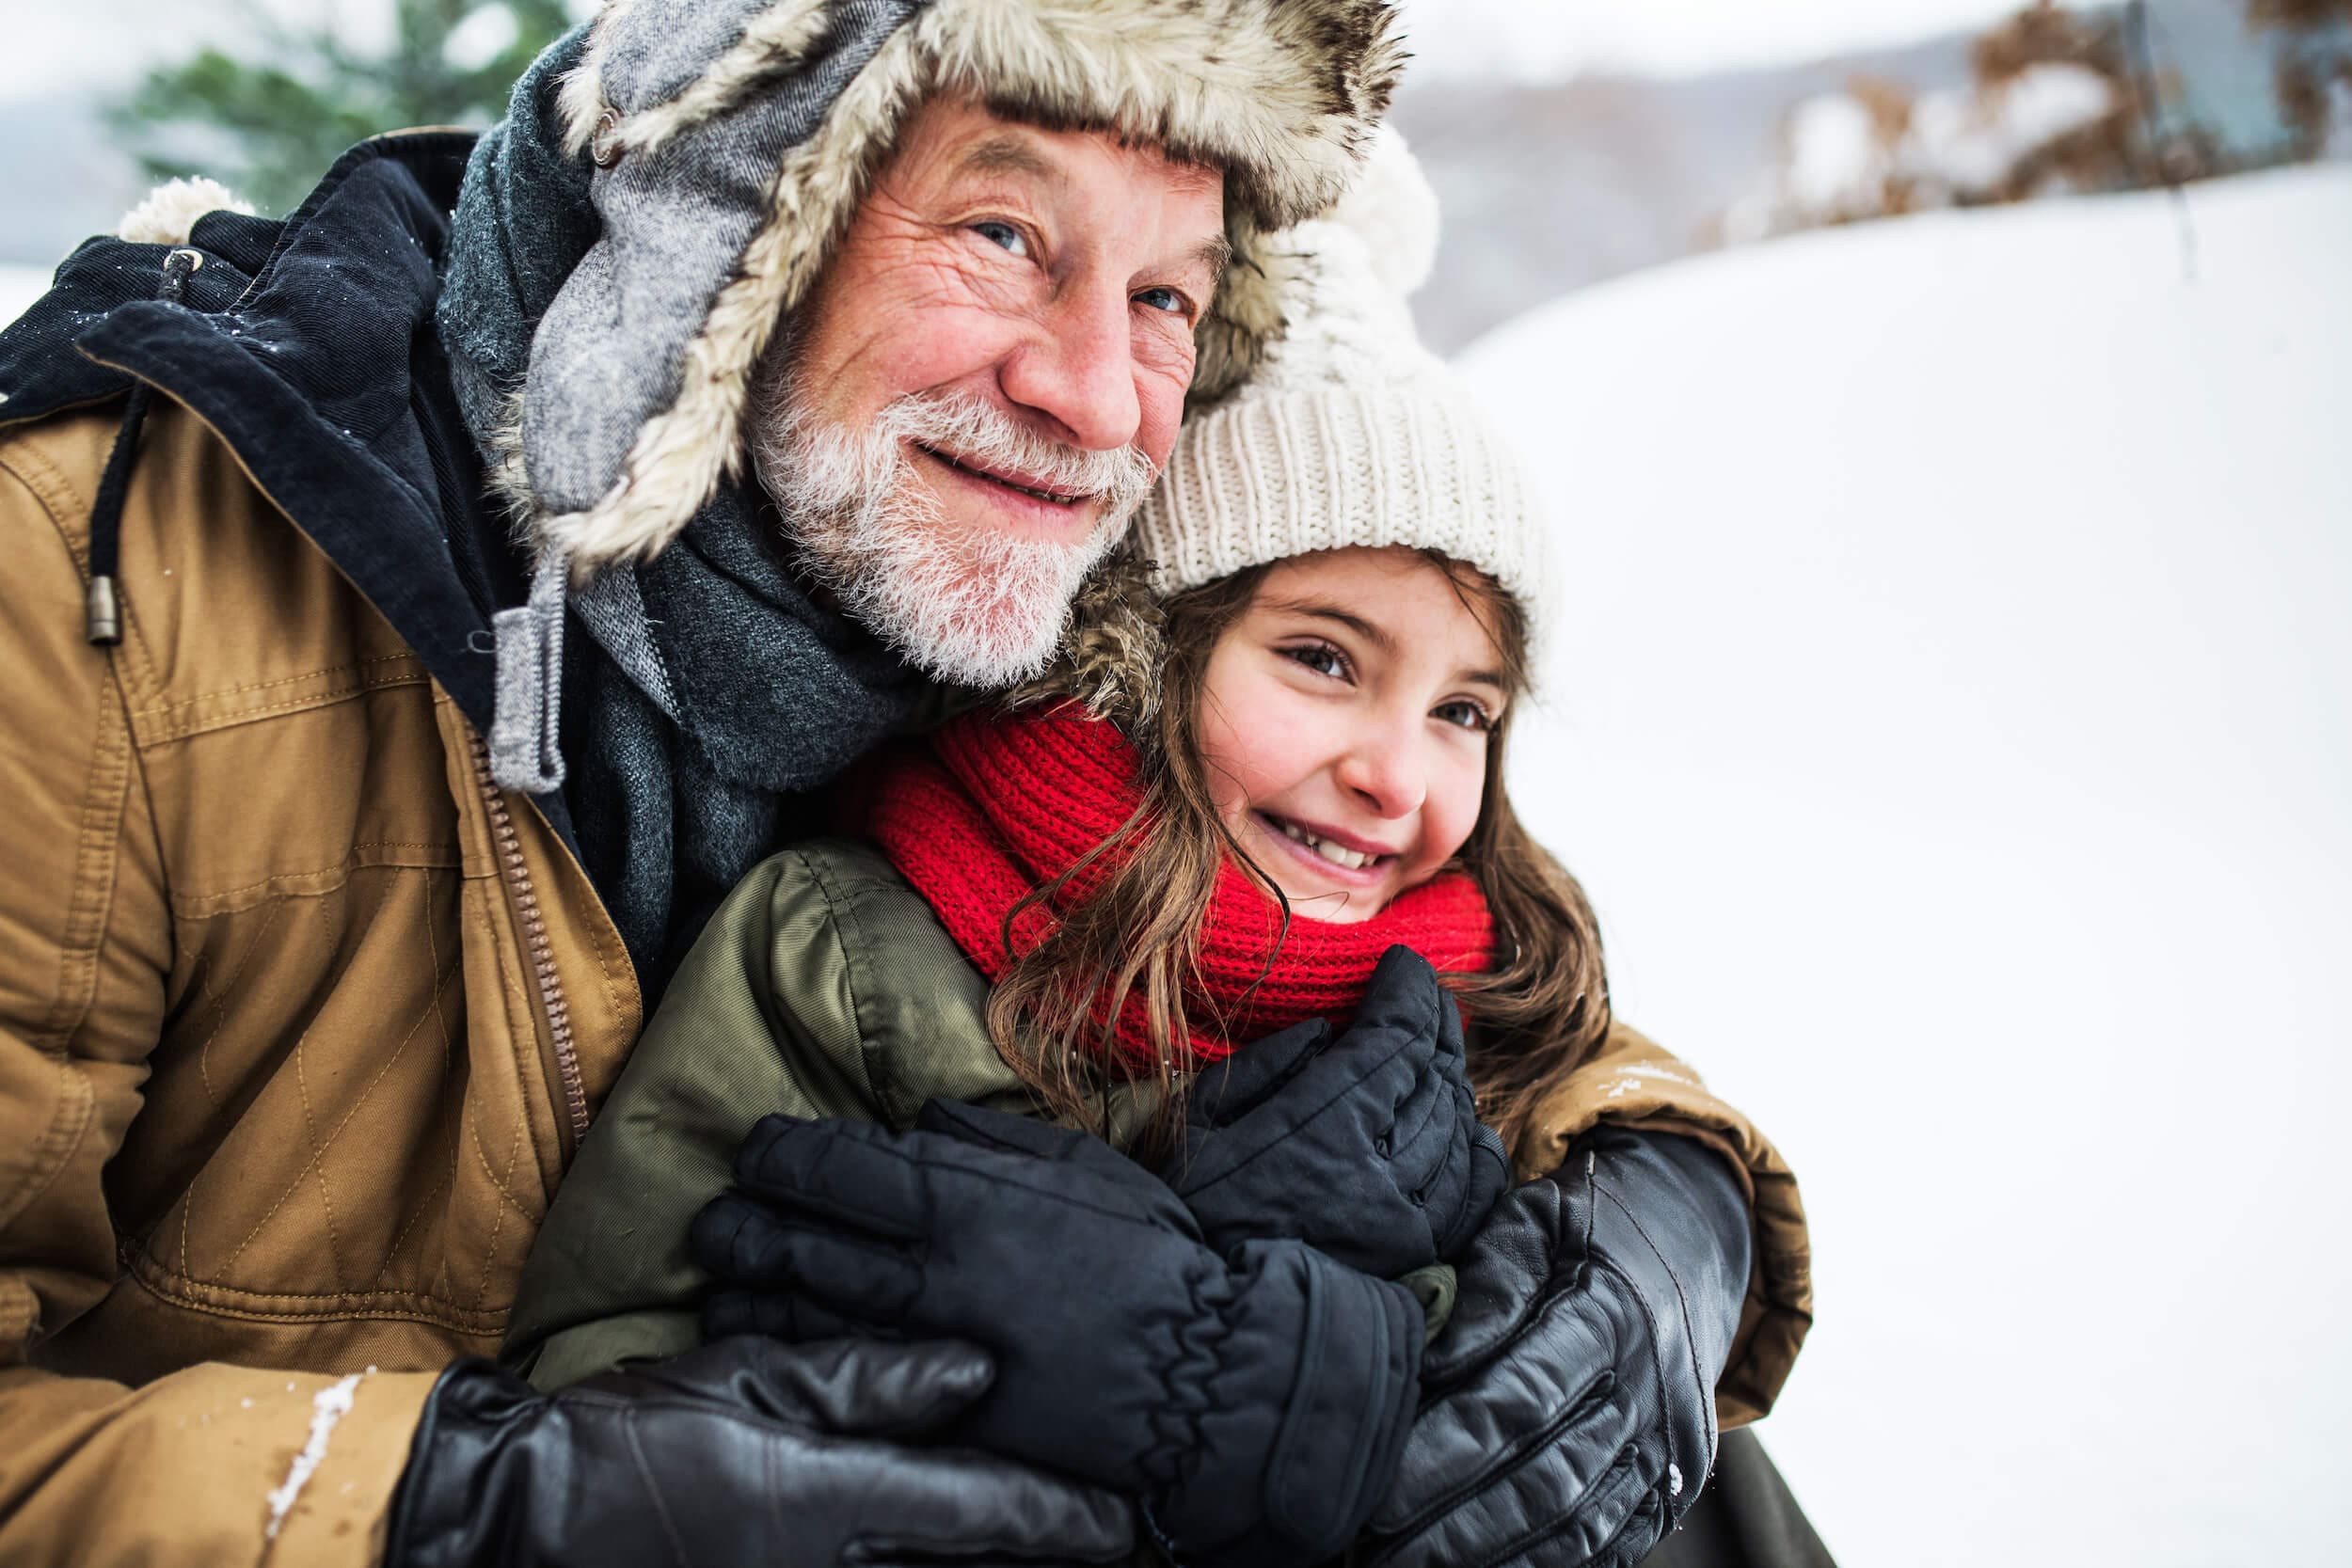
1207, 827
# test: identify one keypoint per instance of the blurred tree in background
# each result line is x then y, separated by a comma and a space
2311, 66
2060, 100
269, 118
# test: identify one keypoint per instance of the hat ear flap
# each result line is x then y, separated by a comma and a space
1243, 319
1112, 648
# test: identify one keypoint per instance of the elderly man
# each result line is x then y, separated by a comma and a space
814, 352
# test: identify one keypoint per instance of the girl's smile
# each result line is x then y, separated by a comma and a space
1344, 722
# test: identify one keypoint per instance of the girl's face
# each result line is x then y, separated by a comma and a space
1344, 722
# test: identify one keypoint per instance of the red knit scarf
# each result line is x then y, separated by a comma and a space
998, 806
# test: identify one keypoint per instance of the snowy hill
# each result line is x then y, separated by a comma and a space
1950, 726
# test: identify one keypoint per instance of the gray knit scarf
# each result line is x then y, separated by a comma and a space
710, 695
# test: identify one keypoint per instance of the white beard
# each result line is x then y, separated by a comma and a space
966, 605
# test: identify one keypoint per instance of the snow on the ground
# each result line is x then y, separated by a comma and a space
1950, 714
19, 288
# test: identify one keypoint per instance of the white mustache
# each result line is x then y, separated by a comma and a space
978, 433
970, 605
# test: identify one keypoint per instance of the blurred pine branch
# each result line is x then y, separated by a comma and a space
268, 118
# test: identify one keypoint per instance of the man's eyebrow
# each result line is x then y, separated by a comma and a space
1003, 153
1215, 253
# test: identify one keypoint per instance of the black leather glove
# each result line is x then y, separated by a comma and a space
1255, 1404
1367, 1146
1572, 1409
747, 1451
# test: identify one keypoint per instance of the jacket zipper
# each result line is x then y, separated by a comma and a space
513, 869
516, 873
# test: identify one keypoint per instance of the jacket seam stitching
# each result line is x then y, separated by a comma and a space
318, 1153
88, 907
163, 708
164, 733
238, 1251
604, 972
204, 1055
97, 849
316, 1165
77, 1109
844, 911
441, 1019
77, 545
165, 1284
187, 907
527, 1032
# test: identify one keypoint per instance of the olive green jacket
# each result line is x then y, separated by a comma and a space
826, 986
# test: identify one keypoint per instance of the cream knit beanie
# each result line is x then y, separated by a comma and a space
1350, 432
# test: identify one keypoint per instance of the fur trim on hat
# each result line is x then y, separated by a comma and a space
170, 211
1281, 94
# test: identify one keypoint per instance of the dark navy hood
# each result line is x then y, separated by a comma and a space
308, 346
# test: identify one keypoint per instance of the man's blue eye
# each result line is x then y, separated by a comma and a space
1163, 299
1003, 234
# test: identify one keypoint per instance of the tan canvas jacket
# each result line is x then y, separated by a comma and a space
300, 1022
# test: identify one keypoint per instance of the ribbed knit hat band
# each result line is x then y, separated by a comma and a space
1266, 478
1351, 433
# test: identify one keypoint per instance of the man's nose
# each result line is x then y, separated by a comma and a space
1078, 368
1385, 770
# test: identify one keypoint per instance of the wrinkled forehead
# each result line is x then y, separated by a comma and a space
949, 136
1122, 187
1181, 162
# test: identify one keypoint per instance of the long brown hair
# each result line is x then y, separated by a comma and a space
1536, 1011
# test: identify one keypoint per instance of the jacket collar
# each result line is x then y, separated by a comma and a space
307, 345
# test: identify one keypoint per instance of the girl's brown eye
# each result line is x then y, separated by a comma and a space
1468, 715
1322, 659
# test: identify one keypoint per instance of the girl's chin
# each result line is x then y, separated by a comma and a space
1332, 906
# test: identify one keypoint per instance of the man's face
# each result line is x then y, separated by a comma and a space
987, 378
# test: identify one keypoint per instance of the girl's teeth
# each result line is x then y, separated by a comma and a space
1332, 852
1338, 856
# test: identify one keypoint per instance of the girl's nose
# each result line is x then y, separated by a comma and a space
1384, 769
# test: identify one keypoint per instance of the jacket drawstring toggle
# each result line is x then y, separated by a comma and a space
102, 608
525, 753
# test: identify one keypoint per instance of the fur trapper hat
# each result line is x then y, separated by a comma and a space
733, 139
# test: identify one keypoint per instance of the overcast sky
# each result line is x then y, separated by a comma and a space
58, 47
1543, 40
